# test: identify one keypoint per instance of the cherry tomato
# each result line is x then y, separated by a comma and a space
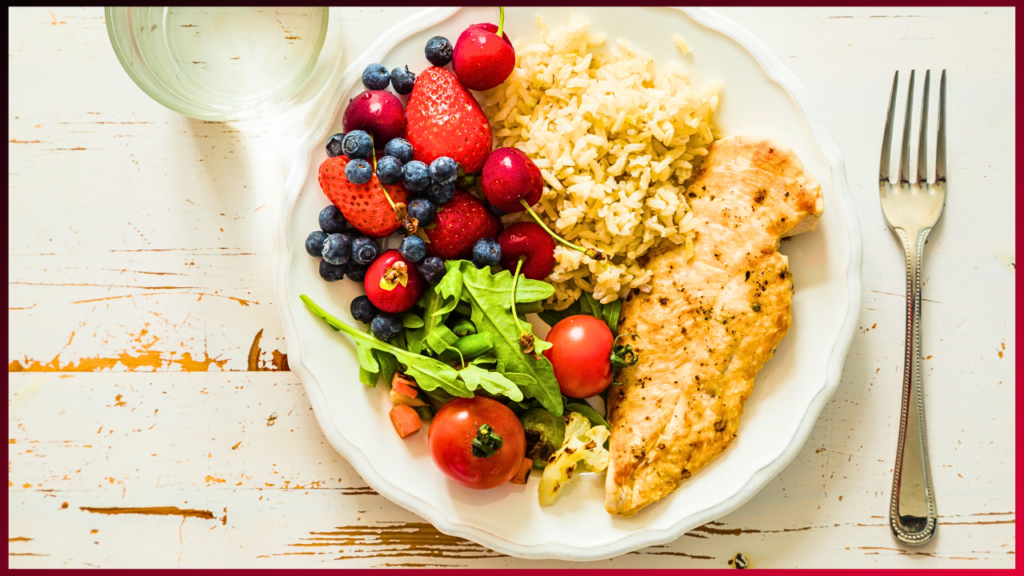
581, 355
477, 442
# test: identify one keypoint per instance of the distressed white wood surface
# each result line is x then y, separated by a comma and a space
152, 422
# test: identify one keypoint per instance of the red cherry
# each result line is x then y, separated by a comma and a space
509, 176
482, 59
488, 27
513, 183
393, 296
378, 112
533, 244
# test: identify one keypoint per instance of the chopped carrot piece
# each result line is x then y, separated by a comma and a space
404, 385
399, 398
405, 419
523, 474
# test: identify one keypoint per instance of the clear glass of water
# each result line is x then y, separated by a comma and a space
224, 64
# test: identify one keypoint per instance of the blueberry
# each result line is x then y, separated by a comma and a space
337, 249
315, 243
402, 80
423, 211
413, 248
331, 220
432, 269
365, 250
356, 272
486, 252
417, 176
444, 170
331, 272
389, 170
357, 144
363, 310
440, 193
334, 145
386, 326
399, 148
375, 77
358, 171
439, 51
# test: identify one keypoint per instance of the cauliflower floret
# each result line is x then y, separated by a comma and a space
582, 451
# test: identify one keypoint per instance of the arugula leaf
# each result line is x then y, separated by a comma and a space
490, 295
388, 365
410, 320
607, 312
398, 341
440, 338
611, 315
431, 302
366, 360
493, 382
369, 368
414, 337
440, 395
533, 389
450, 286
368, 378
587, 304
522, 405
552, 317
485, 359
429, 373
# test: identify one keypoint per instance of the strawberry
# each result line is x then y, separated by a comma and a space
443, 119
459, 223
364, 205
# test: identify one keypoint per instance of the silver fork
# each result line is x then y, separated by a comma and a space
911, 209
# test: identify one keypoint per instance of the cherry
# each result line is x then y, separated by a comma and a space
378, 112
392, 283
484, 56
528, 242
509, 176
512, 183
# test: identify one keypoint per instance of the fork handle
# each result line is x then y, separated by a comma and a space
912, 514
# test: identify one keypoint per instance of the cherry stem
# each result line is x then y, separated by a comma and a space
386, 195
592, 252
515, 282
501, 19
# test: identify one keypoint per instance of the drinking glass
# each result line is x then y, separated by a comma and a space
226, 64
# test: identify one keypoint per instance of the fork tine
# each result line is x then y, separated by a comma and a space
940, 147
922, 147
883, 170
905, 151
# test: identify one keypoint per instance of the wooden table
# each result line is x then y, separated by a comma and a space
153, 420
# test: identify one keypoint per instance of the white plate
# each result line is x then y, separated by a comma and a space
759, 96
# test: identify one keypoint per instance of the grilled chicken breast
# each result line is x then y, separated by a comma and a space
709, 324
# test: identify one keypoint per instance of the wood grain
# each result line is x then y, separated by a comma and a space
153, 422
